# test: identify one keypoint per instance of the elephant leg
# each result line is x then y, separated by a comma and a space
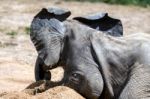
40, 73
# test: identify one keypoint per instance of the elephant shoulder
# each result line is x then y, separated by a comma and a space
137, 86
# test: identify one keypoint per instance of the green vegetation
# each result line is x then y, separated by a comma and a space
12, 34
143, 3
27, 30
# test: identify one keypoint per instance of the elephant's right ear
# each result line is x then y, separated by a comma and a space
103, 66
57, 13
102, 22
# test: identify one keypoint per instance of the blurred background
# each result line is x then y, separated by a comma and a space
143, 3
17, 53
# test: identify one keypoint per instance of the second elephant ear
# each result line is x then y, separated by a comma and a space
100, 58
102, 22
57, 13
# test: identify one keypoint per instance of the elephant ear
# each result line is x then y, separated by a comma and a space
102, 22
47, 36
57, 13
47, 31
100, 58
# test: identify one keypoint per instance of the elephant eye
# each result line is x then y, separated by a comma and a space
75, 78
75, 75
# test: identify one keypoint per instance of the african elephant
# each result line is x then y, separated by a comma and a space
123, 64
49, 29
101, 66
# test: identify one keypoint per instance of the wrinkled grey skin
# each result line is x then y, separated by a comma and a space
49, 29
47, 34
96, 65
118, 60
103, 66
89, 82
81, 73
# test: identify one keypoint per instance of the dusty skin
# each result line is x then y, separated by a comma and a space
17, 53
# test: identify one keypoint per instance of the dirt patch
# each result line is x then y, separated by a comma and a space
59, 92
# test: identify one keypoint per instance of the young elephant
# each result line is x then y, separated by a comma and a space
118, 60
102, 66
123, 64
49, 29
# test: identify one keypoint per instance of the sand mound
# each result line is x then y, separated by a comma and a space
59, 92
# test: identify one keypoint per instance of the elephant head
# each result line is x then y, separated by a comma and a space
81, 73
49, 29
108, 66
87, 69
100, 66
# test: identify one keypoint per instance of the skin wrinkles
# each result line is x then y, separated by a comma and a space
138, 84
50, 27
104, 61
49, 32
119, 62
110, 58
82, 64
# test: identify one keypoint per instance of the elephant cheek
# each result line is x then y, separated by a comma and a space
94, 86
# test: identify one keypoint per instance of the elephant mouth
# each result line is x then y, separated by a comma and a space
50, 64
96, 94
49, 67
93, 95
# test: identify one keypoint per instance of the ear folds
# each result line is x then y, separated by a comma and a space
103, 64
46, 34
102, 22
57, 13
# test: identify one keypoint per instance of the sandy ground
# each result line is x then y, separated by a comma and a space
17, 53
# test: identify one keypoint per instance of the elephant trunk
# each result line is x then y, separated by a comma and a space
41, 86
